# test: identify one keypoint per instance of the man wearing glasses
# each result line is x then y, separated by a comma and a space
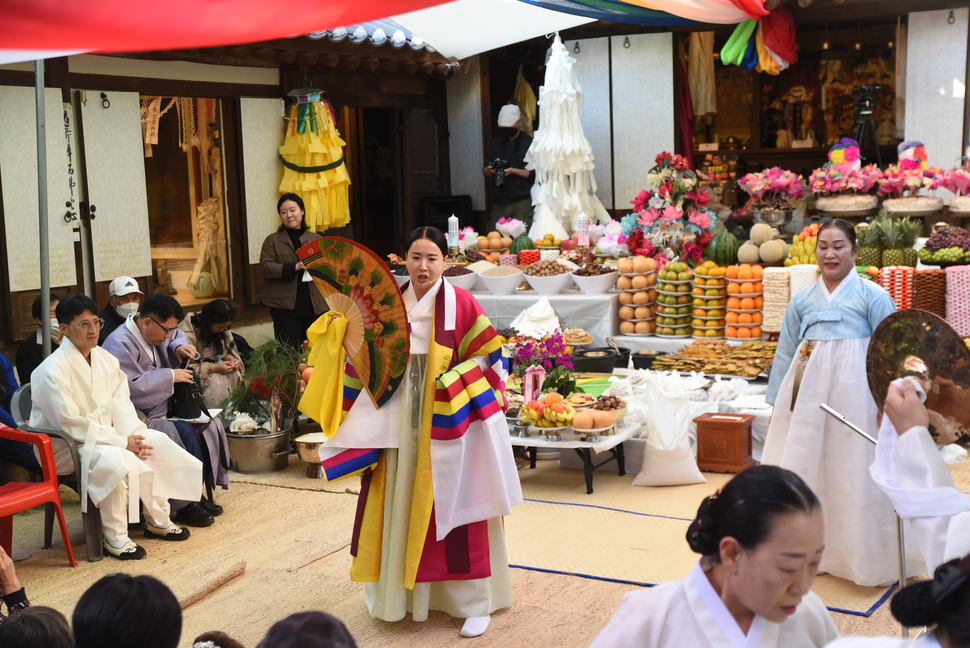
151, 350
80, 389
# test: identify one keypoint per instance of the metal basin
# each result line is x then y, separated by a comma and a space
259, 453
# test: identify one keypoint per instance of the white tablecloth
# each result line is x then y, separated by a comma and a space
654, 343
598, 314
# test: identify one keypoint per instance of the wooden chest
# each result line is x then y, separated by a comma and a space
724, 442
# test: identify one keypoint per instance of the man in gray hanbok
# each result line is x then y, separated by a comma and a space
150, 349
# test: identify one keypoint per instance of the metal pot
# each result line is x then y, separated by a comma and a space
601, 360
259, 453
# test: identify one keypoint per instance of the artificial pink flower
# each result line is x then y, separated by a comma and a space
665, 190
671, 214
699, 218
641, 200
700, 197
648, 217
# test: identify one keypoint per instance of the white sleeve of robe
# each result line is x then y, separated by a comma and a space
914, 476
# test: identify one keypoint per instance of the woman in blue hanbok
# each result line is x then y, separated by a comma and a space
821, 358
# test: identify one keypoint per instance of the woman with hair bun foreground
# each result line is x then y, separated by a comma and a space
760, 541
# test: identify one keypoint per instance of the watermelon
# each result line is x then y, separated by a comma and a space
723, 249
521, 242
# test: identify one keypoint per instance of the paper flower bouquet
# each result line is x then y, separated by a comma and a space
673, 218
774, 188
843, 184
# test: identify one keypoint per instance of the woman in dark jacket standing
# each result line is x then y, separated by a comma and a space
293, 303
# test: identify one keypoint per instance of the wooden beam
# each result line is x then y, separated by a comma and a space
331, 60
264, 53
350, 62
426, 67
309, 58
238, 52
284, 56
370, 64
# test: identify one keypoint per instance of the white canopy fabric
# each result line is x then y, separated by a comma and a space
467, 27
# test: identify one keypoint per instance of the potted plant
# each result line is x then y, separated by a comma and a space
269, 396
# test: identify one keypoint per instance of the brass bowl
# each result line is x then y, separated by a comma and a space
308, 449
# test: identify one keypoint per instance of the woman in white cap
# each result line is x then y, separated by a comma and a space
505, 165
124, 298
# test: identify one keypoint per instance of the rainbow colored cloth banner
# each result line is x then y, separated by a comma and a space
662, 13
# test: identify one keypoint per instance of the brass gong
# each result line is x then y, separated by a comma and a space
920, 344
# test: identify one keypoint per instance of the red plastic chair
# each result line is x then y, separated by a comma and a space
21, 496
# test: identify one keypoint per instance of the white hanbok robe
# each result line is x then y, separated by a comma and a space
860, 527
91, 403
928, 640
688, 613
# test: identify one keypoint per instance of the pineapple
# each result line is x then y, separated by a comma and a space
891, 230
870, 251
911, 229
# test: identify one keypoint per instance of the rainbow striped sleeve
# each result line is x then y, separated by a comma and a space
352, 387
342, 463
463, 396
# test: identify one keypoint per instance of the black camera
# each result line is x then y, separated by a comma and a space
866, 99
500, 166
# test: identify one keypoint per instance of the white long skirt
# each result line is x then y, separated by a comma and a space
388, 598
860, 525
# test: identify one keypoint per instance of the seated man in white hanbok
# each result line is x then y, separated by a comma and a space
149, 349
79, 389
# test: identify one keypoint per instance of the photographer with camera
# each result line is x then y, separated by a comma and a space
511, 181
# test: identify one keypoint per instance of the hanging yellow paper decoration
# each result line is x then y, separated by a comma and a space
313, 160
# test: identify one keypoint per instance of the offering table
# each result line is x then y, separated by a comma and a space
612, 444
598, 314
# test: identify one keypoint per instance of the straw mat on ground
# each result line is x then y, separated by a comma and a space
627, 533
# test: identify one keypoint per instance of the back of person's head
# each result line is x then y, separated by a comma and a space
215, 640
943, 601
36, 627
161, 307
123, 611
746, 507
72, 306
308, 630
37, 311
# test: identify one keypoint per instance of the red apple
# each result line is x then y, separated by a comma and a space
569, 244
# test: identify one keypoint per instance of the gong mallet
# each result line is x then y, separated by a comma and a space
900, 536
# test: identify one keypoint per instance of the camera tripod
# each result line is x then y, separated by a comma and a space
865, 127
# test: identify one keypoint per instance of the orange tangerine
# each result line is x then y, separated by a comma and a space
759, 287
553, 398
756, 317
732, 318
757, 272
731, 332
700, 312
744, 332
732, 302
744, 318
744, 271
734, 289
755, 331
759, 302
731, 272
747, 303
747, 287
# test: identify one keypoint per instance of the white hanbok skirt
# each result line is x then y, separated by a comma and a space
860, 525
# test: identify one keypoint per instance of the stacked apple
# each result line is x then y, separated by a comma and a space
709, 294
673, 310
548, 413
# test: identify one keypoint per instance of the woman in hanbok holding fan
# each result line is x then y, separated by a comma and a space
821, 358
428, 534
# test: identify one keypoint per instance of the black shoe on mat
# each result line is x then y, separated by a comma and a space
193, 515
211, 507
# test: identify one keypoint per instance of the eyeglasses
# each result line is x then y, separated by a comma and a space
168, 331
88, 325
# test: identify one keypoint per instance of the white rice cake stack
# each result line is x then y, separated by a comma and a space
802, 276
777, 289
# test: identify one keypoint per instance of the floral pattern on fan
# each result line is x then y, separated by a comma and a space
357, 283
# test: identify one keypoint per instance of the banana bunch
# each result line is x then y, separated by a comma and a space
548, 416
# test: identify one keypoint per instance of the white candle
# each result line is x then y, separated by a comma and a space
453, 231
583, 230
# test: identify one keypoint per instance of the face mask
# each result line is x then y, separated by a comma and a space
127, 309
511, 131
55, 329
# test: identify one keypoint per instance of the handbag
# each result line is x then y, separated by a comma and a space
186, 401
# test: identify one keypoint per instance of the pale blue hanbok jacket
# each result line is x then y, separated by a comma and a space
855, 312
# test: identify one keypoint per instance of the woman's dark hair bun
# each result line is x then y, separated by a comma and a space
701, 535
746, 507
913, 606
